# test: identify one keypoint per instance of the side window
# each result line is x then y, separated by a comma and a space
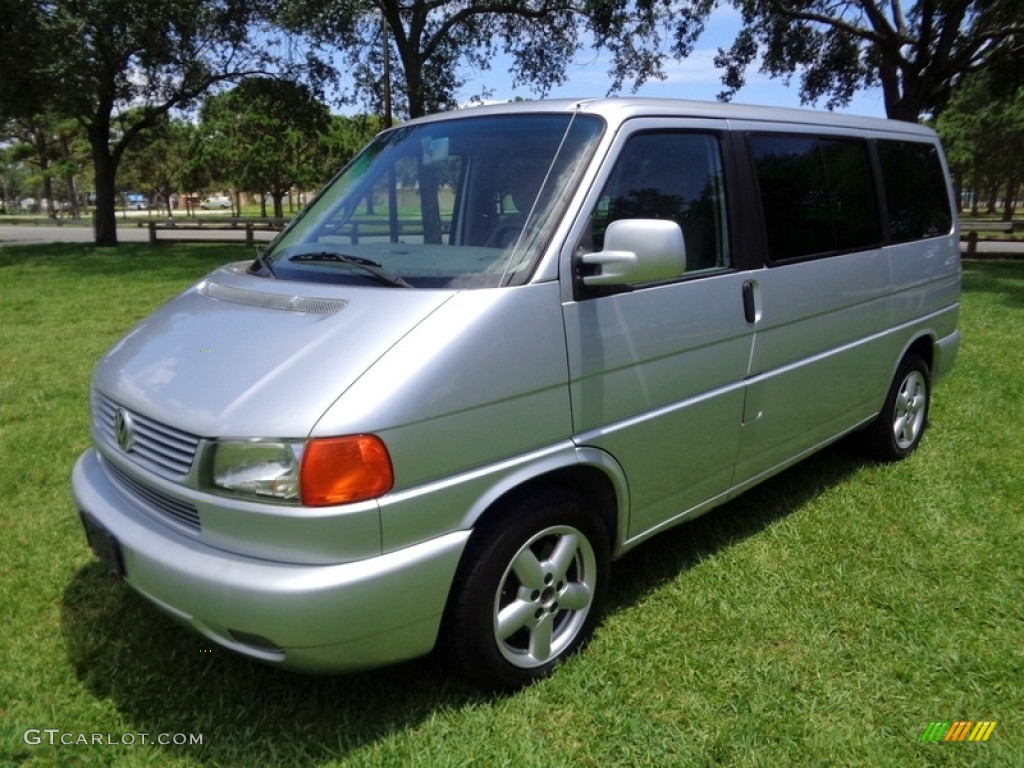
817, 195
915, 191
676, 176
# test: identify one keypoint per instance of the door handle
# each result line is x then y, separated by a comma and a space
749, 301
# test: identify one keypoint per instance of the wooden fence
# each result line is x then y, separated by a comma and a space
172, 230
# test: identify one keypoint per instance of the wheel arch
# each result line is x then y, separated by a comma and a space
922, 345
589, 482
595, 476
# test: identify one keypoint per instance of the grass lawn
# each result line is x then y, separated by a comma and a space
823, 619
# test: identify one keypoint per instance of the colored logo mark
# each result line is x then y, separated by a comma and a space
961, 730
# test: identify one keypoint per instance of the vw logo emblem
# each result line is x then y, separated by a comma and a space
123, 430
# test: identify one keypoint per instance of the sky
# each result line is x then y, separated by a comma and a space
692, 78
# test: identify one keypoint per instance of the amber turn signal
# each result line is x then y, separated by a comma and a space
341, 470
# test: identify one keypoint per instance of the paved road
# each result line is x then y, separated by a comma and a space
126, 233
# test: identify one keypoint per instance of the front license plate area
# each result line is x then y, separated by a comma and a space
104, 545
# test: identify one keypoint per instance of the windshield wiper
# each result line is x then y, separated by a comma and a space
368, 266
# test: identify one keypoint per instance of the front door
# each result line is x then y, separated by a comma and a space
657, 372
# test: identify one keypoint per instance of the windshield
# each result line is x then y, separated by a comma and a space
464, 203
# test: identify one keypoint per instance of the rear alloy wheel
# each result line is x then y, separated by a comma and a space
530, 591
899, 427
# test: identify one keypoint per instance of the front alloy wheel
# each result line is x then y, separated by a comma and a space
529, 591
544, 596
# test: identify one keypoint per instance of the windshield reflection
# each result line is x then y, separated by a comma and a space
462, 203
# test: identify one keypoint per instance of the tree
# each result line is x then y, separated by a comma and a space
265, 135
53, 147
917, 50
119, 66
13, 180
983, 133
432, 40
346, 136
162, 161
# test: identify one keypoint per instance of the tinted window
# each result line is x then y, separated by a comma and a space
816, 194
915, 191
676, 176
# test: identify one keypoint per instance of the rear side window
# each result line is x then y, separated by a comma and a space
915, 191
817, 195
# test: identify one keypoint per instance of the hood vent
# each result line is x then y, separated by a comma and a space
310, 304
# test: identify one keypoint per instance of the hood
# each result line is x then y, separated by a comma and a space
238, 355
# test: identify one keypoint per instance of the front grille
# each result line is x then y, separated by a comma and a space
167, 506
165, 450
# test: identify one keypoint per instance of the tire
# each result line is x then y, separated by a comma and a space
529, 592
898, 429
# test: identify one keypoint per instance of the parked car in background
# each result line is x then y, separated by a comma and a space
135, 201
219, 201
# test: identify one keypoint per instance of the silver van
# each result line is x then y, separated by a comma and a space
502, 347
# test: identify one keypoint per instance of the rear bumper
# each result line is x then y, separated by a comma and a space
316, 618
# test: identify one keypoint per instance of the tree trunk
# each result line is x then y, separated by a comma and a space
1011, 196
975, 187
104, 170
72, 195
905, 104
414, 91
51, 208
429, 206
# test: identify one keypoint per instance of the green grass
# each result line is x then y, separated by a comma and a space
823, 619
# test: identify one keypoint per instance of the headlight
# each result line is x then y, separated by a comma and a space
257, 468
320, 472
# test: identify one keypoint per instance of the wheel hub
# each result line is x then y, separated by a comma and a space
544, 597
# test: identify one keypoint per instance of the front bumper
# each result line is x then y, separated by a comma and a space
314, 618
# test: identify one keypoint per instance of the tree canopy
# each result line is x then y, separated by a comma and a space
52, 150
161, 162
431, 42
119, 66
264, 135
983, 133
916, 50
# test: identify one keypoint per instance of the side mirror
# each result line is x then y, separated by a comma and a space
637, 251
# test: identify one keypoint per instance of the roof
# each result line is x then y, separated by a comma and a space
618, 109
